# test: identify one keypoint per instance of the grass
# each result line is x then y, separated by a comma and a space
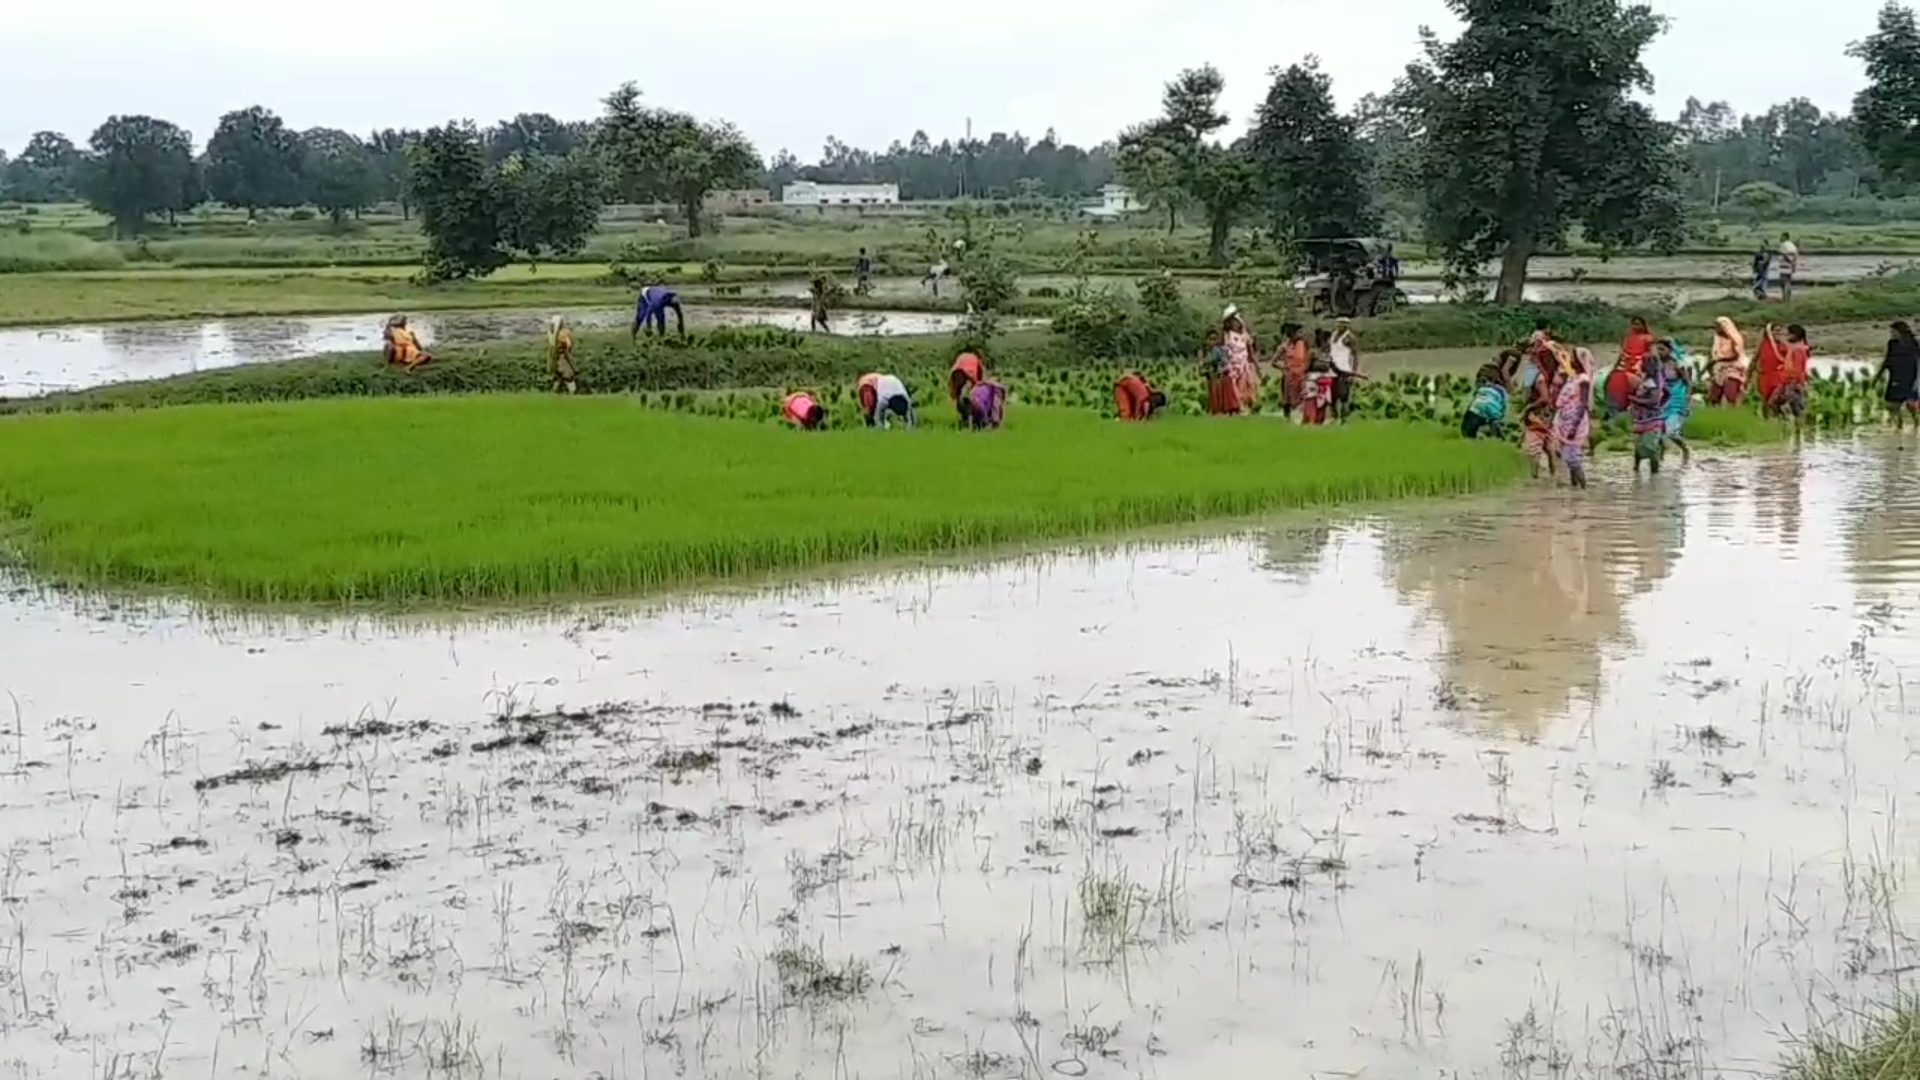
521, 498
1885, 1045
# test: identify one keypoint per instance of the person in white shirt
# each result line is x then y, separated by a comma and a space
1344, 355
1789, 265
883, 397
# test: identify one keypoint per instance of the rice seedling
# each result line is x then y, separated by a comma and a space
519, 497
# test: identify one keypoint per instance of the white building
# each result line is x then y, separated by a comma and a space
1115, 200
808, 193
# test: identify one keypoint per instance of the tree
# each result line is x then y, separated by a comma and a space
140, 166
531, 135
44, 171
338, 173
1176, 149
1886, 115
548, 205
388, 149
1313, 170
448, 180
659, 155
253, 161
1528, 127
1763, 199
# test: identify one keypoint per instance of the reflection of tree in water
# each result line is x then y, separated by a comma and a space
1295, 551
1882, 524
1528, 599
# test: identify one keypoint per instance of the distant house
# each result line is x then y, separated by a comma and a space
808, 193
1115, 201
732, 202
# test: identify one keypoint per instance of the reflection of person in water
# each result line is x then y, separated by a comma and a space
1527, 603
1777, 497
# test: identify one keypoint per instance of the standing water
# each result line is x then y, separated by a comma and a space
1549, 785
43, 360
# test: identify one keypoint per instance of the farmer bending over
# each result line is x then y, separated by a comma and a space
1135, 398
802, 411
650, 311
883, 397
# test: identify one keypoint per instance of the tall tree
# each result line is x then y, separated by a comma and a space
44, 171
549, 206
659, 155
448, 180
388, 148
1529, 127
338, 173
531, 135
1220, 179
1312, 168
253, 161
140, 166
1886, 114
1152, 171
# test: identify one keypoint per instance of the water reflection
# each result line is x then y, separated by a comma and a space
41, 360
1881, 522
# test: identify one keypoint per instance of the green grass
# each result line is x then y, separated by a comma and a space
1882, 1044
521, 497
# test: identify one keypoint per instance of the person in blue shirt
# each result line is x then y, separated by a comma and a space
651, 310
1487, 412
1679, 395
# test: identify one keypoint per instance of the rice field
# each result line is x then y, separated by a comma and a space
516, 498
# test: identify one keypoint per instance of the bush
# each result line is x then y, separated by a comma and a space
35, 252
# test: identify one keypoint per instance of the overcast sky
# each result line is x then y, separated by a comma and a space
790, 74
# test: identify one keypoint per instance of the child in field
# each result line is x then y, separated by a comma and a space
802, 411
1135, 398
1316, 400
1679, 396
1487, 411
883, 397
560, 355
1646, 411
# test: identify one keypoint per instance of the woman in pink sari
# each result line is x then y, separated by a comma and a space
1573, 416
1237, 342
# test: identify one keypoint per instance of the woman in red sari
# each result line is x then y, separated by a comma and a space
1770, 365
1636, 347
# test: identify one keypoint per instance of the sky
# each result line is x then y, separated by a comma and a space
790, 74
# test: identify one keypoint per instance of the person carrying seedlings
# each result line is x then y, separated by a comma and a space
966, 371
1487, 410
802, 411
1573, 416
560, 367
1646, 412
1901, 368
403, 345
883, 397
983, 406
1727, 366
1679, 395
650, 311
1135, 398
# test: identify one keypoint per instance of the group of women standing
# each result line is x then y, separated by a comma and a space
1317, 373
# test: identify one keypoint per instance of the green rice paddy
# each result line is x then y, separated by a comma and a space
516, 498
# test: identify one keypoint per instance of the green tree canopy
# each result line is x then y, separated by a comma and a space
1886, 114
43, 172
549, 206
658, 155
1313, 171
479, 217
1173, 158
337, 172
140, 166
1528, 126
253, 161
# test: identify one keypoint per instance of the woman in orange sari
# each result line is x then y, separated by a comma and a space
1291, 359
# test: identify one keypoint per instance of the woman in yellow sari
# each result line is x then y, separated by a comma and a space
403, 347
560, 355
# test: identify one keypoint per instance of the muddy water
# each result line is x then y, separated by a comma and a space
35, 361
1539, 786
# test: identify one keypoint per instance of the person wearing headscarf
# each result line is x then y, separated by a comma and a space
560, 355
966, 371
1727, 364
403, 345
1237, 340
1573, 415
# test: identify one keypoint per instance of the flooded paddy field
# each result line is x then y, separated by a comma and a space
1539, 786
42, 360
